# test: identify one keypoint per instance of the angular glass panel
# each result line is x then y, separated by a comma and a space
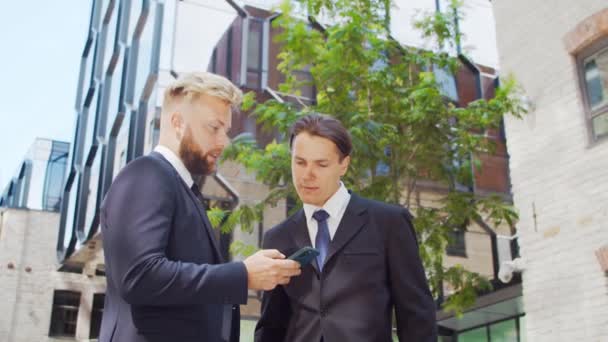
93, 193
89, 115
447, 83
144, 45
109, 33
134, 14
55, 176
86, 70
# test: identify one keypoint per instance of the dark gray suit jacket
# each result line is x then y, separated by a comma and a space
164, 280
372, 266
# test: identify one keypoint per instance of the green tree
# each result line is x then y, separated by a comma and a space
403, 129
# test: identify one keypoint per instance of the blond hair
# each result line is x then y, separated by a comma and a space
191, 85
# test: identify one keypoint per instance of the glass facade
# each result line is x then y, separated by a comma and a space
119, 71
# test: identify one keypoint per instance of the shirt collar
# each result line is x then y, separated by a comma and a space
334, 205
177, 164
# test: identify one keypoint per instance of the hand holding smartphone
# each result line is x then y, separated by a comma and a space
304, 256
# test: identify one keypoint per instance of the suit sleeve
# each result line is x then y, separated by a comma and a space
136, 218
275, 311
414, 305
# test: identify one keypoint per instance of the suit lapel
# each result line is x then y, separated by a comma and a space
355, 217
206, 225
205, 220
300, 234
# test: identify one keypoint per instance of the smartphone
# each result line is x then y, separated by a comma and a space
304, 256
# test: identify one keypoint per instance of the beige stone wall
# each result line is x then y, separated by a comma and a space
559, 180
27, 242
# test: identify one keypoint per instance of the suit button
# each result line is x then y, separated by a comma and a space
323, 313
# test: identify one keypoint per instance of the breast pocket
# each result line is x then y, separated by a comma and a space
361, 257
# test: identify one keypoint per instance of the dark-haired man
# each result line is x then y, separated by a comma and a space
368, 263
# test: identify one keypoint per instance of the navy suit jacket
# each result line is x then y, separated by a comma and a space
371, 268
165, 280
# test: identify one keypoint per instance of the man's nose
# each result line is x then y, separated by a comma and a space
223, 140
309, 172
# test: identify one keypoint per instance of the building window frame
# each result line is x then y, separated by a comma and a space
457, 246
96, 315
64, 316
591, 51
258, 47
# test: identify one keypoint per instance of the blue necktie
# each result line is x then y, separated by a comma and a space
322, 239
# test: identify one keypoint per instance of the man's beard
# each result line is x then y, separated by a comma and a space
193, 157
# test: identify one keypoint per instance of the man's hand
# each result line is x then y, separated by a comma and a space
268, 268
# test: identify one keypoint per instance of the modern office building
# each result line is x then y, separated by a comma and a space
38, 183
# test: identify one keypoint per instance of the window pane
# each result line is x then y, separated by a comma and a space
457, 243
55, 175
114, 97
110, 35
96, 315
254, 54
504, 331
92, 197
86, 70
65, 313
596, 79
306, 89
253, 79
144, 54
89, 117
70, 214
477, 335
600, 126
135, 12
446, 82
522, 329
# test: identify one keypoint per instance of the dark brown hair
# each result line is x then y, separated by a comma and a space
323, 126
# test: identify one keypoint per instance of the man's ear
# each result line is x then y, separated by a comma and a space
178, 125
344, 165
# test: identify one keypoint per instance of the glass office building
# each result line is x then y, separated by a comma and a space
38, 182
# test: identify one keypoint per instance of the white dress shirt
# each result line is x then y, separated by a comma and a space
176, 162
335, 207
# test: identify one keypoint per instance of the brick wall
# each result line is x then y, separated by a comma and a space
27, 242
559, 181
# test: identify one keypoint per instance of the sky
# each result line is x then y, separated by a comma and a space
42, 42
